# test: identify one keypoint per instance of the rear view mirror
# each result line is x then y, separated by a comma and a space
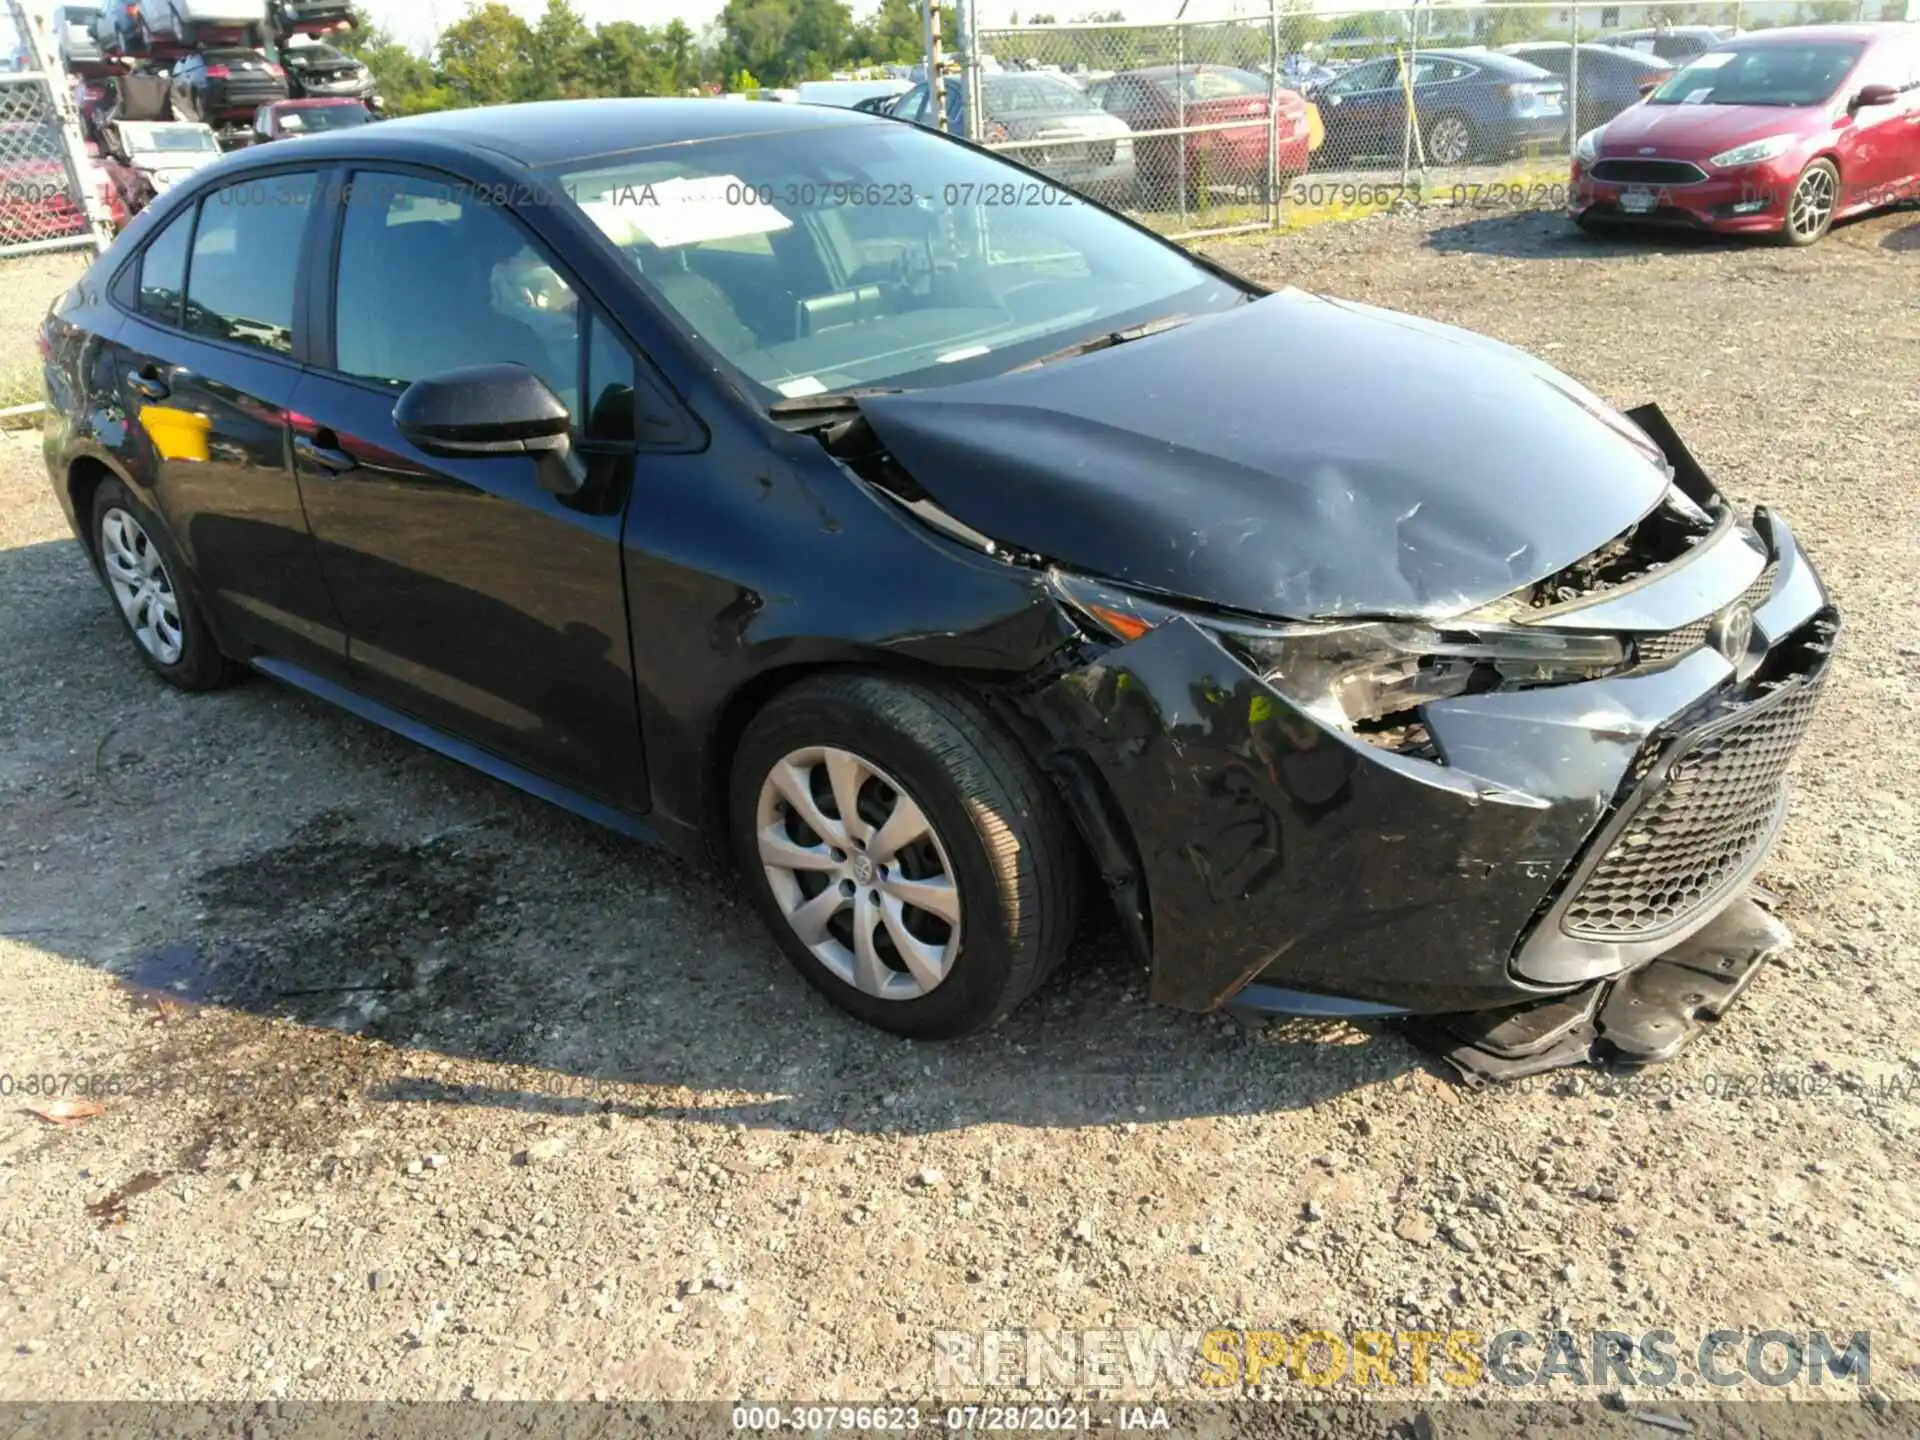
1875, 95
490, 410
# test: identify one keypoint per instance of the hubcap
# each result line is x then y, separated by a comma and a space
1448, 145
142, 586
859, 872
1812, 202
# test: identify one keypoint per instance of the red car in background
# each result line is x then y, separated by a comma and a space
1780, 132
286, 119
36, 195
1151, 99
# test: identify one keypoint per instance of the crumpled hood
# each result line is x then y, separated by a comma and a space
1295, 457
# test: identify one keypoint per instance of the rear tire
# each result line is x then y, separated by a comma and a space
1449, 140
152, 592
931, 939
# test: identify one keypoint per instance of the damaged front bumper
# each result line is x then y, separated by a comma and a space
1564, 837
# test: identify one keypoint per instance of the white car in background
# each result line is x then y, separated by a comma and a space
195, 23
846, 94
147, 158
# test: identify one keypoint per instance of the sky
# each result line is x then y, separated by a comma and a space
418, 21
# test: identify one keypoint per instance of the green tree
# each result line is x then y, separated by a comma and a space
893, 34
408, 83
487, 56
562, 56
782, 41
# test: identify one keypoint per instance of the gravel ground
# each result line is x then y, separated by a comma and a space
417, 1088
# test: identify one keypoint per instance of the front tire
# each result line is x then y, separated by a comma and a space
1449, 140
908, 856
1811, 206
147, 580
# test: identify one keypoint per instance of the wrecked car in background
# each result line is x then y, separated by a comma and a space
941, 555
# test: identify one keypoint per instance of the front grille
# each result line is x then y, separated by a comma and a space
1653, 651
1721, 799
1657, 650
1648, 172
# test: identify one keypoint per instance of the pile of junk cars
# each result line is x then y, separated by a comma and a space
165, 86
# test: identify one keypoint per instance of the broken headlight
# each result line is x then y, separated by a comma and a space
1368, 677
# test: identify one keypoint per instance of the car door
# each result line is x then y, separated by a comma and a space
474, 600
1907, 152
1364, 109
1879, 145
207, 365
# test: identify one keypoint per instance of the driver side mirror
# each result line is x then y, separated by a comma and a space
1649, 85
1875, 95
493, 410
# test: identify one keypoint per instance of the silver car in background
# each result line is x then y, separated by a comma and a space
1043, 121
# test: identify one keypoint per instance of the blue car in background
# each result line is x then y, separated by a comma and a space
1471, 104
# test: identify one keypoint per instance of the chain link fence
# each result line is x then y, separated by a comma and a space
1305, 115
51, 199
46, 175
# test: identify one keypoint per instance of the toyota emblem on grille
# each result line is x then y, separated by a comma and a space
1732, 633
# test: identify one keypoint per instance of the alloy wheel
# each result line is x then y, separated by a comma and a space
1812, 205
859, 872
1449, 141
142, 586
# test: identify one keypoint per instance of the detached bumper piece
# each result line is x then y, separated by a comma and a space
1641, 1018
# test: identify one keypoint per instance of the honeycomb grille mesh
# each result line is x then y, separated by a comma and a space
1721, 802
1657, 650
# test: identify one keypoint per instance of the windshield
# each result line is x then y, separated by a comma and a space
1033, 94
878, 255
1216, 84
322, 117
314, 55
1805, 74
181, 139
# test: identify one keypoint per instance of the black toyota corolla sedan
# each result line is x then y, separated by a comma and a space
949, 548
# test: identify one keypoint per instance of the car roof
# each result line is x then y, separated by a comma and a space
1523, 48
551, 132
1799, 34
1486, 59
1156, 71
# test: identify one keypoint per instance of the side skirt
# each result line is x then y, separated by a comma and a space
438, 741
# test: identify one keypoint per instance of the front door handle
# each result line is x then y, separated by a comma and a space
326, 457
146, 381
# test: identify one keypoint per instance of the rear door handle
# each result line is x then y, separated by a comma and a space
146, 381
326, 457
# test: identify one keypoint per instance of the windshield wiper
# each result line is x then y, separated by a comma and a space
828, 402
1107, 341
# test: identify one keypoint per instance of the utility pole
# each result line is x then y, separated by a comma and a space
936, 79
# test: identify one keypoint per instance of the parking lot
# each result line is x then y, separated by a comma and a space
415, 1087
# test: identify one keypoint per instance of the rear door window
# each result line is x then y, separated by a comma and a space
163, 270
1374, 75
246, 261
